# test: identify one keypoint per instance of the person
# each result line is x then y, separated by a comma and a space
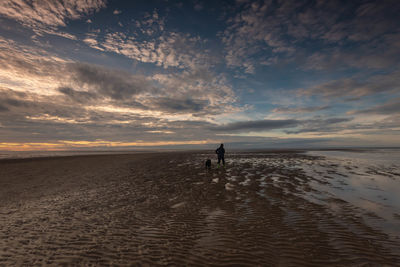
221, 154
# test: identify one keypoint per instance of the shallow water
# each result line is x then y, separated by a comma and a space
368, 181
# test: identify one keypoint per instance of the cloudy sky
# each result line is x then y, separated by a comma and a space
252, 74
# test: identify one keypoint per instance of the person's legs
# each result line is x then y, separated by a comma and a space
219, 159
223, 160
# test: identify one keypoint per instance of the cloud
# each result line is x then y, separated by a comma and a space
334, 120
30, 69
180, 105
171, 49
11, 99
149, 42
255, 33
259, 125
320, 126
199, 83
57, 89
197, 93
370, 128
344, 34
116, 84
391, 107
310, 125
3, 108
210, 93
356, 87
380, 53
52, 118
78, 96
91, 42
373, 19
47, 15
299, 109
35, 70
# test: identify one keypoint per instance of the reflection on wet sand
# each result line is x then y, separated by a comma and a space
263, 209
371, 183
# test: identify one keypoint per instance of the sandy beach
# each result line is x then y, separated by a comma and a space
263, 209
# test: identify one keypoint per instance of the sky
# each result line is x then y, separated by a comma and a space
109, 74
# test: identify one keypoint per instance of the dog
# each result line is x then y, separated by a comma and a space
208, 164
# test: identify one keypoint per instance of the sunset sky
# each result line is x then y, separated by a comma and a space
99, 74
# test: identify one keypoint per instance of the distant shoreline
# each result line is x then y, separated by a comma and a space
13, 155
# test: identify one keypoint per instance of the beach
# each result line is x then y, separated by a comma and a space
265, 208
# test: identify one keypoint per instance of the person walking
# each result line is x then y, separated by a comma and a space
221, 154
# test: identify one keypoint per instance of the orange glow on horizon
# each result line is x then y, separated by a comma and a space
65, 144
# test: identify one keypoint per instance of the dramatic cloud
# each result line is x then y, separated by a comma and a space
83, 83
187, 93
47, 118
246, 72
78, 99
116, 84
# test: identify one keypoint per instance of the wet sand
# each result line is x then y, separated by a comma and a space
164, 208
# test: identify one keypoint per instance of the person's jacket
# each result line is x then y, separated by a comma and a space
220, 151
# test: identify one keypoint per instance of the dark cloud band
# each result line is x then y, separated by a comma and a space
259, 125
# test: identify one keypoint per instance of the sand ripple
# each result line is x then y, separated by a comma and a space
164, 209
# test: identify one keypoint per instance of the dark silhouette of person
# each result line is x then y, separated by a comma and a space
221, 154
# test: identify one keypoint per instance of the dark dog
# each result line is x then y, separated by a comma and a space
208, 164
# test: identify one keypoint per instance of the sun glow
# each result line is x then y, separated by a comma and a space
66, 144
